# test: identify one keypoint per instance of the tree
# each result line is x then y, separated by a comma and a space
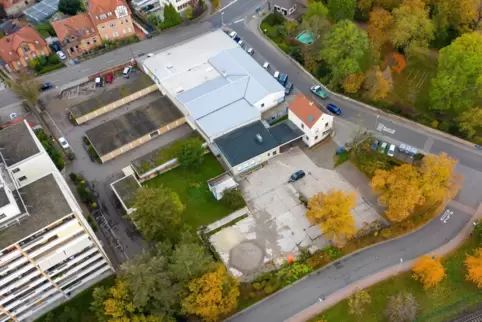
379, 25
158, 213
358, 301
341, 9
344, 47
473, 263
398, 190
26, 87
317, 25
212, 295
438, 180
188, 12
377, 86
365, 6
470, 122
310, 58
428, 270
171, 17
333, 212
353, 82
99, 294
190, 153
233, 199
70, 7
402, 307
291, 27
458, 84
456, 14
316, 8
412, 27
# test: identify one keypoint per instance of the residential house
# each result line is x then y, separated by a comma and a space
48, 251
315, 124
77, 34
112, 18
285, 7
17, 49
10, 26
14, 8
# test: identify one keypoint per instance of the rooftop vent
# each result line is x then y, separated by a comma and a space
310, 118
311, 103
169, 66
259, 138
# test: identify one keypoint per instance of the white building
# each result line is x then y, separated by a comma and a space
215, 83
153, 5
315, 124
48, 253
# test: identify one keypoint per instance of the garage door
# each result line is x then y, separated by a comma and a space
290, 145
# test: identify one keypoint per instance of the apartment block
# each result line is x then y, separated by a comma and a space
48, 252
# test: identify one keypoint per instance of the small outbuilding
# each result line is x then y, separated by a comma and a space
285, 7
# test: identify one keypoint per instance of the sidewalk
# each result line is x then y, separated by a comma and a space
382, 275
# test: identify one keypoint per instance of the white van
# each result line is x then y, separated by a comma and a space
276, 74
266, 65
127, 71
241, 43
233, 34
391, 150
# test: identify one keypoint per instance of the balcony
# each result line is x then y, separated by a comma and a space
71, 261
29, 280
76, 269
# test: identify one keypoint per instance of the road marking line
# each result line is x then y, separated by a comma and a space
84, 70
240, 20
110, 61
232, 2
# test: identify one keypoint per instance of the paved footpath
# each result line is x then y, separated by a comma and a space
382, 275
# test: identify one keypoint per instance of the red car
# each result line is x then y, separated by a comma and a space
109, 78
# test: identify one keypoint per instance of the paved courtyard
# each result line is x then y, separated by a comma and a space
277, 226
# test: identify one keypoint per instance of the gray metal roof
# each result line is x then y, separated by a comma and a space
285, 132
223, 120
17, 143
42, 10
207, 87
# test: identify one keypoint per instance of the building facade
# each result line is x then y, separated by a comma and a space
112, 18
77, 34
48, 252
315, 124
16, 50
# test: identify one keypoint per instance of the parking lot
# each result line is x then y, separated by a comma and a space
278, 225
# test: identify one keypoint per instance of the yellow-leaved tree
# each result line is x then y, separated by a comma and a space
357, 302
333, 212
428, 270
398, 190
352, 82
473, 263
212, 295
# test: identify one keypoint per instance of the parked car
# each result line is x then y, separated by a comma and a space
241, 44
13, 116
413, 151
283, 78
297, 176
127, 71
374, 145
407, 150
276, 74
402, 147
99, 81
61, 55
383, 147
233, 34
150, 54
45, 86
237, 39
63, 143
288, 88
250, 51
319, 91
266, 65
109, 78
333, 109
391, 150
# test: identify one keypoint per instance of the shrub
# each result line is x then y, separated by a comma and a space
444, 126
53, 59
315, 261
269, 289
233, 199
291, 273
386, 233
274, 19
171, 18
92, 223
190, 153
333, 252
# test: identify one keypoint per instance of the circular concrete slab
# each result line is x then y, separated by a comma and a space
226, 239
246, 257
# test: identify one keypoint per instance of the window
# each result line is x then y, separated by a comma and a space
102, 26
26, 48
122, 22
306, 137
115, 34
22, 178
129, 29
262, 105
2, 216
34, 55
42, 52
87, 31
127, 20
109, 14
154, 134
316, 137
16, 170
124, 30
88, 42
302, 126
269, 154
112, 24
106, 36
94, 40
73, 38
103, 16
18, 63
326, 124
274, 153
26, 58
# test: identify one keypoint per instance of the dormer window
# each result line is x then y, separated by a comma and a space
121, 11
109, 14
36, 41
97, 17
103, 16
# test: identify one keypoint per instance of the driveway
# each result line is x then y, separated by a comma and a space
277, 226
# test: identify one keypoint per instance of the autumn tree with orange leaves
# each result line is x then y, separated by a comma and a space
212, 295
428, 270
473, 263
332, 211
379, 24
400, 62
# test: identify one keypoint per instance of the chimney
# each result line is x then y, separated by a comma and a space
259, 138
311, 103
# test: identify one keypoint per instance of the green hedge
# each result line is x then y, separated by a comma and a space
52, 151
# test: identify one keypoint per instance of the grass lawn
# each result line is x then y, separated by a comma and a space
201, 207
452, 297
78, 308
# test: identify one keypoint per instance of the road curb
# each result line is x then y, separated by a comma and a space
391, 271
372, 108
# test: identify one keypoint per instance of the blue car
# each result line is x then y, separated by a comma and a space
334, 109
288, 88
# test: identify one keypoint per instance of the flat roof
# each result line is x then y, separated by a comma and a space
126, 189
110, 96
131, 126
45, 202
17, 143
242, 144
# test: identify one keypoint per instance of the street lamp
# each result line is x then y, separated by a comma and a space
222, 18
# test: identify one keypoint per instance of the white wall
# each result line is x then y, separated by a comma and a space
254, 161
33, 168
320, 130
270, 100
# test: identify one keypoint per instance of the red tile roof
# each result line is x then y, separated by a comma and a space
305, 110
10, 44
7, 4
79, 25
99, 8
